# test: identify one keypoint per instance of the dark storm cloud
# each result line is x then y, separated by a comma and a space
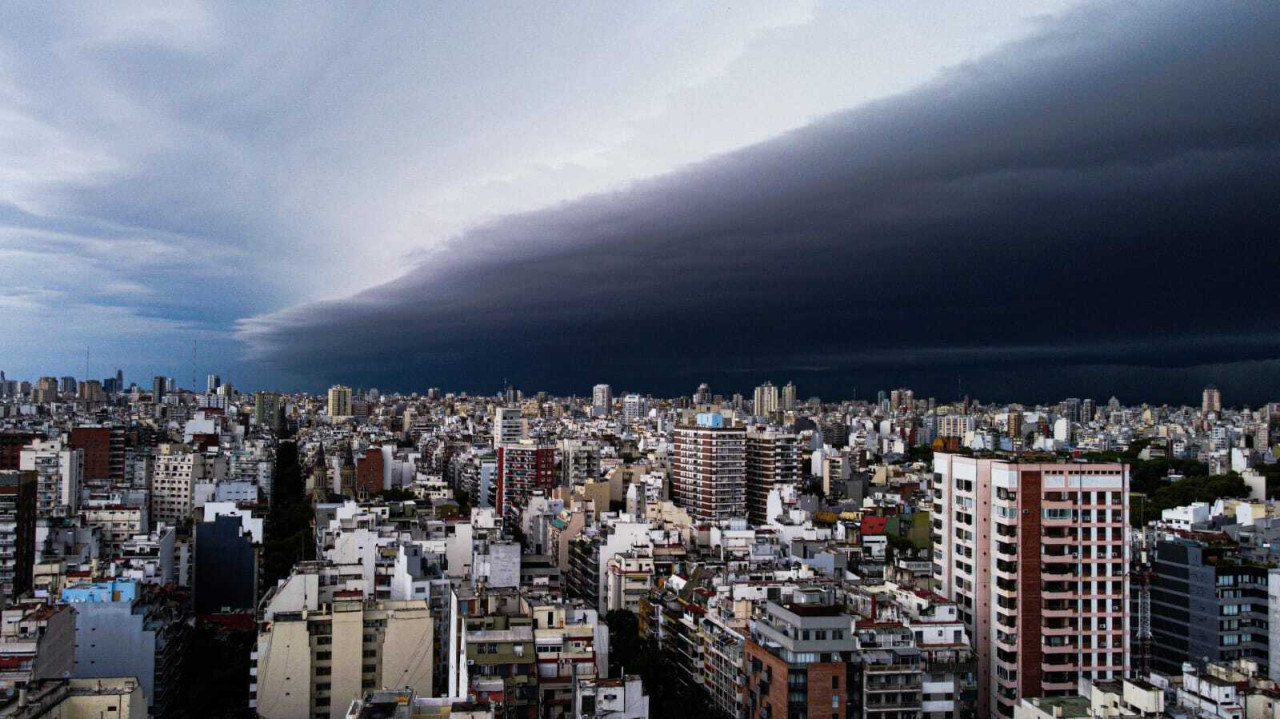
1101, 196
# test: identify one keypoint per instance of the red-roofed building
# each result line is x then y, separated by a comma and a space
874, 526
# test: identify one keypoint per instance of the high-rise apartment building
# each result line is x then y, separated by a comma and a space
602, 400
313, 661
158, 386
1207, 604
91, 391
212, 383
103, 449
131, 629
773, 458
789, 397
703, 395
1211, 400
59, 472
1088, 410
1036, 557
340, 402
173, 482
579, 462
508, 426
522, 468
955, 425
266, 410
1071, 409
709, 469
46, 391
17, 533
634, 409
766, 399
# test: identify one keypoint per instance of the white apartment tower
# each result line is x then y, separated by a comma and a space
59, 471
508, 426
602, 400
173, 482
1035, 556
634, 409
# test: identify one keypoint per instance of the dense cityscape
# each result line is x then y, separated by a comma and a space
177, 553
639, 360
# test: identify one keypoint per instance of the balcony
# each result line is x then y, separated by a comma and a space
1060, 558
1060, 612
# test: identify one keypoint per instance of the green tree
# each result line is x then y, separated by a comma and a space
397, 494
624, 640
1186, 491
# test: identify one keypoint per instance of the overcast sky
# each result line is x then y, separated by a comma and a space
1025, 198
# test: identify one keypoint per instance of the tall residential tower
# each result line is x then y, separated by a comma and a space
1035, 556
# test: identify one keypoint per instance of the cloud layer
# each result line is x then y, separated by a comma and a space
167, 169
1083, 205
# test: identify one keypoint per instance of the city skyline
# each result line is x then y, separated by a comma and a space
602, 398
564, 360
1039, 202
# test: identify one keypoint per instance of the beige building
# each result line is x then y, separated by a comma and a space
314, 663
118, 698
1211, 400
628, 579
36, 642
177, 469
339, 402
118, 523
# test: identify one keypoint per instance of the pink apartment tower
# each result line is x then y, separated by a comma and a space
1036, 556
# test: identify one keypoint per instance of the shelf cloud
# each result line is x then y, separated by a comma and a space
1100, 195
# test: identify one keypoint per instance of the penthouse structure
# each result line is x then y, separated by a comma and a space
1035, 556
708, 469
